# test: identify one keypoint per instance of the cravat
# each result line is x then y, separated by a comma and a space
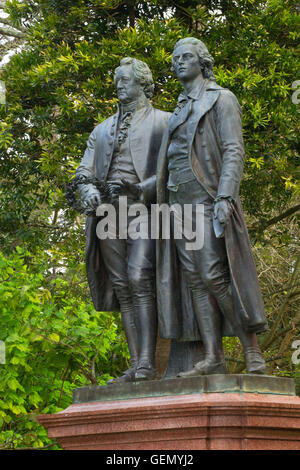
124, 126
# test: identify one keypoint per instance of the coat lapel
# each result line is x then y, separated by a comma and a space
200, 108
106, 142
180, 116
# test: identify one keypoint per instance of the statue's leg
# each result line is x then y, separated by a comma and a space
255, 363
205, 357
141, 273
207, 314
147, 319
114, 254
130, 329
213, 267
209, 321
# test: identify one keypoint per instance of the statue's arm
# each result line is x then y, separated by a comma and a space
229, 124
87, 168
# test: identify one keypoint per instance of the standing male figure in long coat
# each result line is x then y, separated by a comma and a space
210, 292
122, 152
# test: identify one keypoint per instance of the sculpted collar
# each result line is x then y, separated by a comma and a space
196, 92
133, 106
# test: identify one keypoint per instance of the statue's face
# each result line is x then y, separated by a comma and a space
128, 88
186, 62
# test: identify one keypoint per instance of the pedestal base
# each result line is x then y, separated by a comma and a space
236, 420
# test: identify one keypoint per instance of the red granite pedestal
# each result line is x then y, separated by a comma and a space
195, 421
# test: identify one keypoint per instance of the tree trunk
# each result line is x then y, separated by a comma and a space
131, 8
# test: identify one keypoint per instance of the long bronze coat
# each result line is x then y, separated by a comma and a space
216, 155
145, 135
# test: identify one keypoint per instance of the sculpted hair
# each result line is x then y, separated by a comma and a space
142, 74
206, 60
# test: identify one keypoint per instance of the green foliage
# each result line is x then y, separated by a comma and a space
59, 86
54, 341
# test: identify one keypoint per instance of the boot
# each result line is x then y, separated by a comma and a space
145, 371
209, 322
145, 308
127, 376
128, 320
205, 367
255, 363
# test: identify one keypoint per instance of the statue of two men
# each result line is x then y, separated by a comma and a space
193, 157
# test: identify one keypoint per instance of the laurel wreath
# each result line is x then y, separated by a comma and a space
72, 197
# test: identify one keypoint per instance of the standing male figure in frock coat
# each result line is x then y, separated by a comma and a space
213, 291
122, 152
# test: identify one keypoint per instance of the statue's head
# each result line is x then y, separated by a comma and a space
133, 78
190, 58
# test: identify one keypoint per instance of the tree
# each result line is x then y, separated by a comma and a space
58, 88
10, 28
54, 341
12, 34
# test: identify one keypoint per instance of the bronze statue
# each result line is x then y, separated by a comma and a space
121, 155
210, 292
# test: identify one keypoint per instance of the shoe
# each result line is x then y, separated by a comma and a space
205, 368
255, 363
145, 372
127, 376
209, 321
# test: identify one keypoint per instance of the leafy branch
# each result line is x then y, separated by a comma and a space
12, 32
263, 224
278, 318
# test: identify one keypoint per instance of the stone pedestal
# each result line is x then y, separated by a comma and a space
217, 412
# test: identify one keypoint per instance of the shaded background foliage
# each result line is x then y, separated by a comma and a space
59, 86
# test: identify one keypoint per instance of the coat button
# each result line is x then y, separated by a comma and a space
108, 154
211, 171
200, 130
